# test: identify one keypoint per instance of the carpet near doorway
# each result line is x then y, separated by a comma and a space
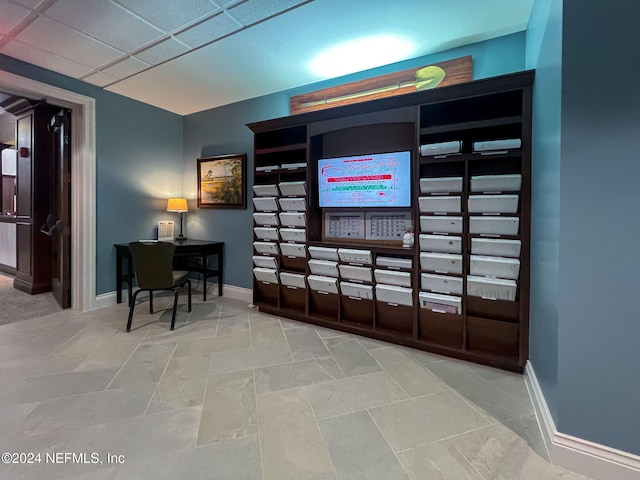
16, 305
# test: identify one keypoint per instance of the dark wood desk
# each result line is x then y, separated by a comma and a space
194, 249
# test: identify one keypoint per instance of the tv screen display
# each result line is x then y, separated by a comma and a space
375, 180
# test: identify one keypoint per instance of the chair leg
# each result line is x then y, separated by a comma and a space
150, 301
132, 305
175, 307
189, 293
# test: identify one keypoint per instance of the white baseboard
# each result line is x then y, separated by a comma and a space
576, 454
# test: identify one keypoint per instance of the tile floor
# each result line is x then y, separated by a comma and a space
236, 394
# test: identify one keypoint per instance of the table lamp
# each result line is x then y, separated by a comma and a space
178, 205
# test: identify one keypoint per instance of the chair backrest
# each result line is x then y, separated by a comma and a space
153, 264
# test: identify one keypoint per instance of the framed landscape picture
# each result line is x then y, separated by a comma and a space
222, 181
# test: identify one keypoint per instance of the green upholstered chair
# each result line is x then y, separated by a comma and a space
153, 265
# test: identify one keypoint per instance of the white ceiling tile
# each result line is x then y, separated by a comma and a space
255, 10
206, 32
126, 68
29, 3
104, 21
36, 56
54, 37
100, 79
162, 52
170, 15
11, 15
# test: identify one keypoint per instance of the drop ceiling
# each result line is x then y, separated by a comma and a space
186, 56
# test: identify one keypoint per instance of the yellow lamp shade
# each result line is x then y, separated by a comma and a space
177, 205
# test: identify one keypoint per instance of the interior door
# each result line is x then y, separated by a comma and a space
60, 127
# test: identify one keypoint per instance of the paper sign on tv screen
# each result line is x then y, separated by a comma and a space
378, 180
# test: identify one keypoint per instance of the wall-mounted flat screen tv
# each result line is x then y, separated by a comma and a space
374, 180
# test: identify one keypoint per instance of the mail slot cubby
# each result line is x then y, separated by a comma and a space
391, 316
293, 264
324, 304
358, 311
441, 328
265, 293
497, 309
293, 298
492, 336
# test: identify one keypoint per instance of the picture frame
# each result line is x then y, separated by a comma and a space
222, 181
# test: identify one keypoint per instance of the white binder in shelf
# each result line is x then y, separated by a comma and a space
394, 295
265, 190
293, 188
265, 261
440, 303
293, 166
361, 274
441, 262
497, 247
323, 284
356, 290
293, 234
293, 204
352, 255
324, 253
441, 148
494, 225
494, 267
266, 233
266, 218
266, 247
267, 168
268, 275
395, 263
440, 243
496, 183
292, 279
443, 204
493, 203
489, 145
392, 277
265, 204
323, 267
293, 219
440, 184
441, 283
491, 288
298, 250
440, 223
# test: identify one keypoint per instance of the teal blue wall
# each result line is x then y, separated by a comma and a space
138, 165
222, 130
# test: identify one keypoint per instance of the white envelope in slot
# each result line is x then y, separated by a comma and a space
268, 275
266, 218
493, 288
323, 284
394, 262
441, 223
293, 219
350, 272
356, 290
496, 183
293, 204
440, 243
441, 148
495, 267
351, 255
494, 225
266, 247
444, 204
392, 277
267, 168
265, 261
266, 233
493, 203
265, 204
293, 234
440, 303
293, 166
489, 145
496, 247
265, 190
441, 283
294, 249
324, 253
293, 188
441, 262
324, 267
292, 279
441, 184
394, 294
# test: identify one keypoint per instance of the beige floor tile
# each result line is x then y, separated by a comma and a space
114, 351
305, 343
437, 461
248, 358
146, 365
352, 357
296, 374
266, 331
190, 346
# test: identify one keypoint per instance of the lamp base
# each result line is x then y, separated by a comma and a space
181, 238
